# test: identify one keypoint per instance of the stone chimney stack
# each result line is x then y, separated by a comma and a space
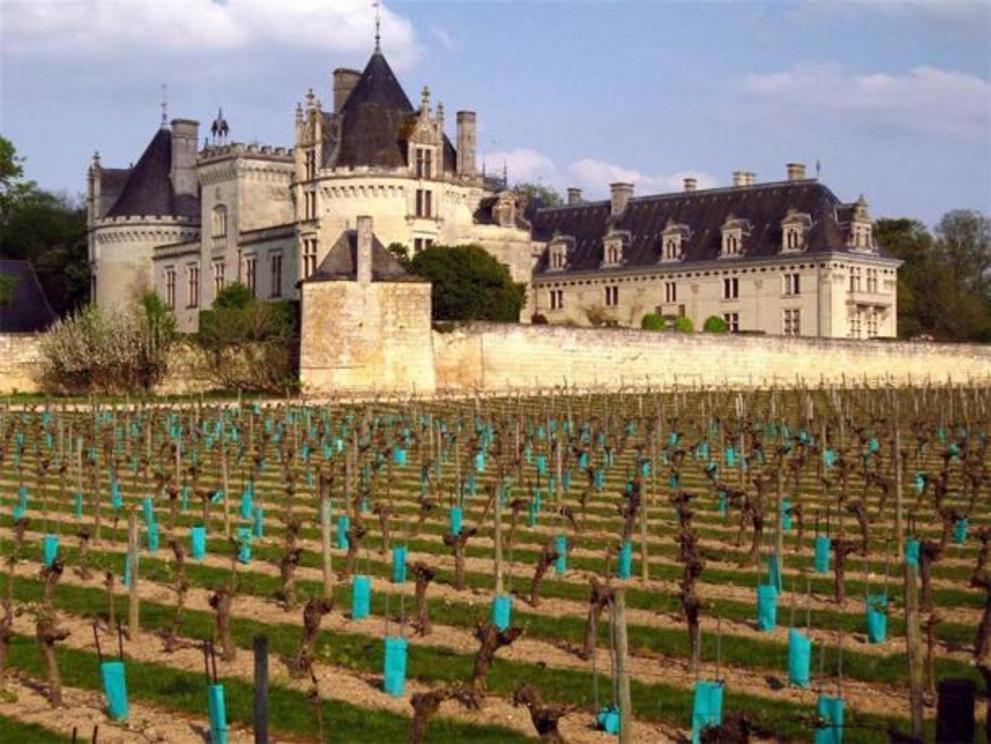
739, 178
621, 193
574, 196
363, 258
751, 178
344, 81
796, 171
691, 184
466, 143
185, 139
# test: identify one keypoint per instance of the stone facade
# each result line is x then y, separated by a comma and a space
20, 363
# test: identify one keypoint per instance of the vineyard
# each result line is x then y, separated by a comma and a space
693, 565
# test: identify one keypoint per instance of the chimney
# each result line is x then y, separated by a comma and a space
185, 139
363, 260
466, 143
574, 195
691, 184
751, 178
739, 178
796, 171
344, 81
620, 195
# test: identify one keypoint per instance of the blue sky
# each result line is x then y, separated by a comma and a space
893, 98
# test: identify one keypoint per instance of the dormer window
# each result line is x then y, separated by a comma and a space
861, 236
734, 231
612, 247
794, 228
557, 253
673, 240
424, 162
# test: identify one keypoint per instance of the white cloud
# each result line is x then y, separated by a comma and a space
596, 175
106, 28
925, 100
445, 38
591, 174
522, 165
967, 18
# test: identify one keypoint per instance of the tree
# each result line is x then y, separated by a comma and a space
683, 324
251, 345
400, 252
49, 230
537, 193
715, 324
469, 284
964, 243
652, 322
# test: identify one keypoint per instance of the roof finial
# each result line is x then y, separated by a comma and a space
378, 25
165, 104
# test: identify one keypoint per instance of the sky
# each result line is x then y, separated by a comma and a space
891, 97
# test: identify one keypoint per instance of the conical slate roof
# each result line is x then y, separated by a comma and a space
148, 191
372, 119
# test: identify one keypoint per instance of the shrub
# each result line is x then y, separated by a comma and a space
249, 344
469, 284
538, 319
652, 322
715, 324
112, 350
683, 324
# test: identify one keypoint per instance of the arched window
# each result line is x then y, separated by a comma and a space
219, 221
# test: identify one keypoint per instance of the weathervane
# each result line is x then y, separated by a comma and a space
165, 104
378, 25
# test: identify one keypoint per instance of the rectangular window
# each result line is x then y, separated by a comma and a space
872, 280
92, 288
193, 285
170, 287
855, 279
424, 203
309, 205
309, 257
276, 274
251, 274
792, 284
311, 164
791, 322
218, 277
670, 291
731, 288
424, 162
871, 324
612, 296
733, 321
855, 324
557, 299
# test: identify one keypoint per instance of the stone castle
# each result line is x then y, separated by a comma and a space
311, 223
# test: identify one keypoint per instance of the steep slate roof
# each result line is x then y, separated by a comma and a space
148, 190
28, 311
372, 126
704, 212
341, 260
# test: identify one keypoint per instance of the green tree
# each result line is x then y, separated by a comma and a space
400, 252
652, 322
683, 324
47, 229
964, 243
469, 284
715, 324
547, 196
250, 344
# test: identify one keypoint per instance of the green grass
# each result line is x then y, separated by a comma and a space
12, 730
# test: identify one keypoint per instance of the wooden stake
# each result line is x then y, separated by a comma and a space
261, 689
899, 524
325, 522
133, 608
913, 643
497, 537
622, 674
227, 485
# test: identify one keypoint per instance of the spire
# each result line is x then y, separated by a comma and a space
378, 25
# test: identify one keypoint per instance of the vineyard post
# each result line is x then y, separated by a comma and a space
325, 521
261, 689
133, 610
913, 642
779, 534
226, 479
622, 673
497, 537
899, 525
644, 500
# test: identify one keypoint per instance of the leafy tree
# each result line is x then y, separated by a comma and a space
400, 252
250, 344
538, 192
964, 243
652, 322
47, 229
469, 284
683, 324
715, 324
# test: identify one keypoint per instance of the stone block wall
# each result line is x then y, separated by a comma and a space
20, 363
366, 337
492, 358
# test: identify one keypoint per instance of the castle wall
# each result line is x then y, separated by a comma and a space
20, 363
491, 357
366, 337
